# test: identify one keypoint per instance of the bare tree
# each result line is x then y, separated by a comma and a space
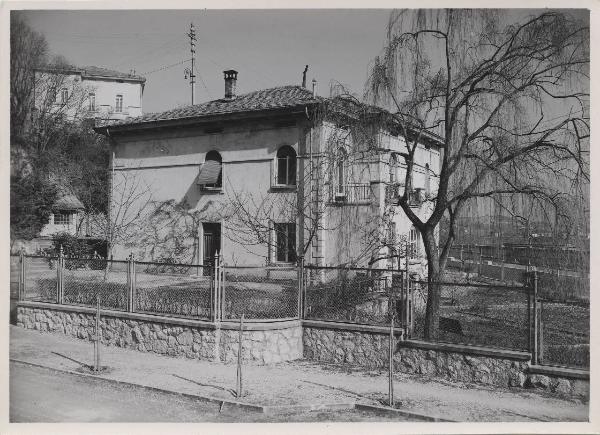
510, 102
28, 50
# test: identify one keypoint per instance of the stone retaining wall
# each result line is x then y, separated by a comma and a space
369, 347
266, 343
201, 340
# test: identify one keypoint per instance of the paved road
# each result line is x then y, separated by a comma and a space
43, 395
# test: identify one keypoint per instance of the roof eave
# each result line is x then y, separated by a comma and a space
204, 119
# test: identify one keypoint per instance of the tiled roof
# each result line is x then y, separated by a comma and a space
95, 71
68, 202
266, 99
91, 71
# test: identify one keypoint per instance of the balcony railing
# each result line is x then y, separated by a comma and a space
351, 193
393, 193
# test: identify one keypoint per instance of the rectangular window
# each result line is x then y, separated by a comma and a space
285, 242
62, 218
119, 104
92, 98
414, 243
64, 96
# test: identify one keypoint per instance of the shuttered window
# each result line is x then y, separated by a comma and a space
211, 171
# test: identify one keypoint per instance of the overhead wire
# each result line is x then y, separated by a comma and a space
166, 67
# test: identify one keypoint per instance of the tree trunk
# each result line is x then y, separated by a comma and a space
434, 275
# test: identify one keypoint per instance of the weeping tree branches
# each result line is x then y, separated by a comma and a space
510, 100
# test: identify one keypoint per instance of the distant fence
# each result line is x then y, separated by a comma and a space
514, 316
563, 273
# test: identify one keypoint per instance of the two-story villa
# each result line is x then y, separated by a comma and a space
268, 176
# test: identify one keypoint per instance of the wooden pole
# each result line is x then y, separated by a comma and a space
239, 360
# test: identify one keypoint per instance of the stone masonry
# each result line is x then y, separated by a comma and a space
261, 347
370, 349
269, 344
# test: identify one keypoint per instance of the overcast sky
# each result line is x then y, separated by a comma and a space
268, 47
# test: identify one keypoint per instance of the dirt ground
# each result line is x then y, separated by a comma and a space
299, 382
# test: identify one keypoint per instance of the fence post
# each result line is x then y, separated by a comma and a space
21, 289
300, 285
541, 334
59, 276
391, 364
222, 279
129, 284
534, 350
238, 383
97, 337
406, 286
216, 285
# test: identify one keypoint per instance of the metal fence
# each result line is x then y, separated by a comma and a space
173, 289
523, 317
352, 295
84, 281
477, 314
564, 333
260, 293
563, 272
40, 282
216, 292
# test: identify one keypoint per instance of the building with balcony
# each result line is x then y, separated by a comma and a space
267, 177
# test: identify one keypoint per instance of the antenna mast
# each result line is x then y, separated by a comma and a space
189, 72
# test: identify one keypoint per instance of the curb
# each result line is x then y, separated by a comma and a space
222, 402
402, 412
264, 409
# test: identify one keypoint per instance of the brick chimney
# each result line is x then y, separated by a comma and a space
230, 83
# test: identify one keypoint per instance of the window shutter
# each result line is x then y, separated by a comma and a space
199, 172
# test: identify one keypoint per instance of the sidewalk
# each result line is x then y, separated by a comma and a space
299, 382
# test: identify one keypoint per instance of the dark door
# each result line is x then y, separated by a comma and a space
212, 243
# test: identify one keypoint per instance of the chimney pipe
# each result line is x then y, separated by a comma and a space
314, 88
304, 76
230, 83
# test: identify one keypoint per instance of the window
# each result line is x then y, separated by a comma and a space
211, 171
64, 96
62, 218
414, 245
92, 99
285, 242
119, 103
52, 96
286, 166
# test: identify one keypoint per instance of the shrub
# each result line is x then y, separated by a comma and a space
74, 249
